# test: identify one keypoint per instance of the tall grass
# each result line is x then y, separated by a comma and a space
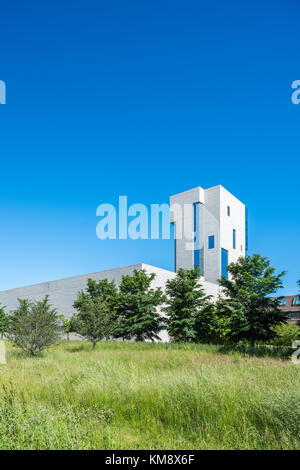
148, 396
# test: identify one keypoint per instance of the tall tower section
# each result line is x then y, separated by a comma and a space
209, 230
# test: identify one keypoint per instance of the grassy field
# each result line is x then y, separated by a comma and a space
147, 396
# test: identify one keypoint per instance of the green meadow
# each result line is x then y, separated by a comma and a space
148, 396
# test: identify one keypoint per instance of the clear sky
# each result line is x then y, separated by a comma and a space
144, 99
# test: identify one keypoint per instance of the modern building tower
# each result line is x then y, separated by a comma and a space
209, 230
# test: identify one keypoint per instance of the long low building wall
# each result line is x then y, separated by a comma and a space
62, 293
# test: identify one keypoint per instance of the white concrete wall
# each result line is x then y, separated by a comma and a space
212, 263
236, 221
184, 225
213, 220
63, 292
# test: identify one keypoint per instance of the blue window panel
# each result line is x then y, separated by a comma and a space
196, 237
196, 259
282, 301
234, 239
296, 300
211, 242
224, 263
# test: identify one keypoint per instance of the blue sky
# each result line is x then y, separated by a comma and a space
144, 99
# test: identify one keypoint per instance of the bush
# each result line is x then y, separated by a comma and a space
286, 334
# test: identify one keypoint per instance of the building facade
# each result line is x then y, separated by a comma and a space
209, 229
291, 306
63, 292
213, 228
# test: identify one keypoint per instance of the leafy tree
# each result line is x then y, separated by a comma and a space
3, 321
187, 307
94, 320
68, 325
34, 326
215, 325
136, 307
104, 289
286, 333
252, 313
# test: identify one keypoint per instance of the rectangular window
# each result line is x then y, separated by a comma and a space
211, 242
196, 237
234, 239
282, 301
224, 262
228, 210
296, 300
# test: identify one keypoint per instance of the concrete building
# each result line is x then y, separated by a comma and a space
214, 234
210, 230
63, 292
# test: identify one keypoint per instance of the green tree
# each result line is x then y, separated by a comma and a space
68, 325
137, 307
94, 320
3, 321
104, 289
34, 326
252, 313
215, 324
188, 308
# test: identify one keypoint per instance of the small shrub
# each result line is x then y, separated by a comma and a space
286, 334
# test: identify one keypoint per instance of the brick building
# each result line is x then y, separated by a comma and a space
291, 305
